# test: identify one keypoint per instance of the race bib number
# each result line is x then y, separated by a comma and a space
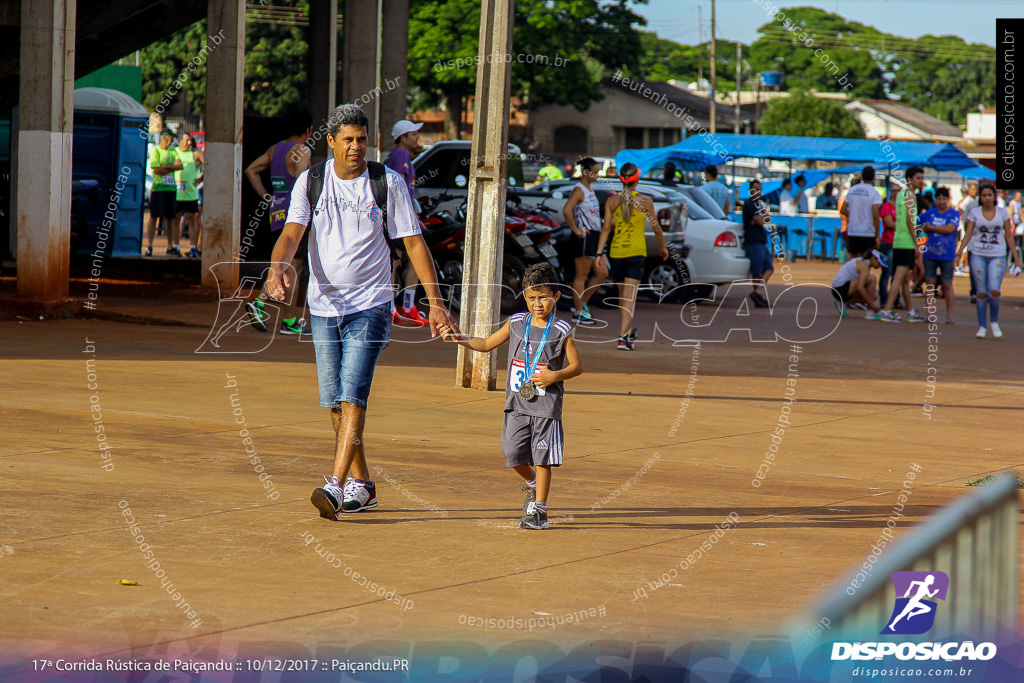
167, 180
517, 376
278, 183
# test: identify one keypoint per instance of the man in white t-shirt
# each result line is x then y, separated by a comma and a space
787, 203
861, 209
350, 293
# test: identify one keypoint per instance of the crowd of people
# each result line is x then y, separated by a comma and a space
176, 198
916, 243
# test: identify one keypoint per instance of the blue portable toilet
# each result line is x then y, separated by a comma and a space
110, 131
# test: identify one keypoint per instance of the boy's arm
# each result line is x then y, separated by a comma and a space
547, 377
484, 345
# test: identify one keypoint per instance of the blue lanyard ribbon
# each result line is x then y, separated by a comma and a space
532, 365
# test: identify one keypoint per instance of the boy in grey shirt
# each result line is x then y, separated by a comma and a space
542, 354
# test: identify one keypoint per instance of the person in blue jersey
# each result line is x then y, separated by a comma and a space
940, 223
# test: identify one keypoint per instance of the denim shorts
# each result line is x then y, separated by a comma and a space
347, 348
943, 269
760, 258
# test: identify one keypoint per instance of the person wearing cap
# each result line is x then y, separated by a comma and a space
854, 283
164, 161
407, 144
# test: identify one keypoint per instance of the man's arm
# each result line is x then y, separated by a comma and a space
253, 170
284, 252
298, 159
875, 208
419, 256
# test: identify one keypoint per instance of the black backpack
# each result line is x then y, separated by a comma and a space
378, 182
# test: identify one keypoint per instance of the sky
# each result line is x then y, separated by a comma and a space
972, 20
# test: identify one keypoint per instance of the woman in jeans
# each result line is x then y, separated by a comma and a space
989, 231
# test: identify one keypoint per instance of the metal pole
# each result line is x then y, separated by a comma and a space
739, 77
485, 210
713, 124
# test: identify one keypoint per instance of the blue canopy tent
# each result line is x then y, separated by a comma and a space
812, 175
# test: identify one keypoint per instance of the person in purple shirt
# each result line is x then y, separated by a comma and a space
407, 144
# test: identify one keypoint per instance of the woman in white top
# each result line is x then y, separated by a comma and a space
988, 232
583, 215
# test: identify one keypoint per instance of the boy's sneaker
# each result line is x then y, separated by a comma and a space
359, 495
914, 317
889, 317
996, 331
411, 315
980, 334
531, 497
295, 326
257, 316
625, 343
328, 498
534, 519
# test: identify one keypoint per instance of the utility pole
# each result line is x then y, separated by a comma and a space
713, 124
739, 78
700, 46
485, 207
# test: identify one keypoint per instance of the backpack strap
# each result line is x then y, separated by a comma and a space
379, 184
315, 187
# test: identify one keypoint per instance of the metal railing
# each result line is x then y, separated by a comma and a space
973, 540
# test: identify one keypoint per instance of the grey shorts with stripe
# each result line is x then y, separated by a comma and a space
529, 440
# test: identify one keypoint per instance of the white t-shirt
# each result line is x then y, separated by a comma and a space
786, 205
988, 239
349, 260
587, 213
861, 198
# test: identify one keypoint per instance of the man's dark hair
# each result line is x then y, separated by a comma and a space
913, 171
346, 115
712, 171
942, 192
799, 178
868, 174
540, 275
828, 189
297, 123
787, 183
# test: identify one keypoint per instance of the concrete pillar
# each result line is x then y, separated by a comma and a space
485, 210
323, 68
360, 42
222, 199
394, 69
43, 183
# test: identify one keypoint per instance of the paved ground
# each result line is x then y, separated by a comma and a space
695, 426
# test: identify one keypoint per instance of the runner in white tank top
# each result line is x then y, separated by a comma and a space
583, 214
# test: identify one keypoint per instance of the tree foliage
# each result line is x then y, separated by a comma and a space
804, 115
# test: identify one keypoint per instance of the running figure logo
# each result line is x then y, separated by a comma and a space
914, 613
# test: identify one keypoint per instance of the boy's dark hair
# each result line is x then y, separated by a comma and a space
787, 183
913, 171
868, 174
942, 192
540, 275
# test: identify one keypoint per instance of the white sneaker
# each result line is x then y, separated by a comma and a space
914, 317
981, 333
889, 317
328, 498
996, 332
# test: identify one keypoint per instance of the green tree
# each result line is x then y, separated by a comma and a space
561, 49
946, 77
276, 77
808, 116
789, 46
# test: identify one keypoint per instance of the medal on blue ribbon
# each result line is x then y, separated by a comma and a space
528, 391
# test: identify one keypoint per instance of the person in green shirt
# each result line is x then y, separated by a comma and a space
905, 250
164, 162
187, 181
550, 172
